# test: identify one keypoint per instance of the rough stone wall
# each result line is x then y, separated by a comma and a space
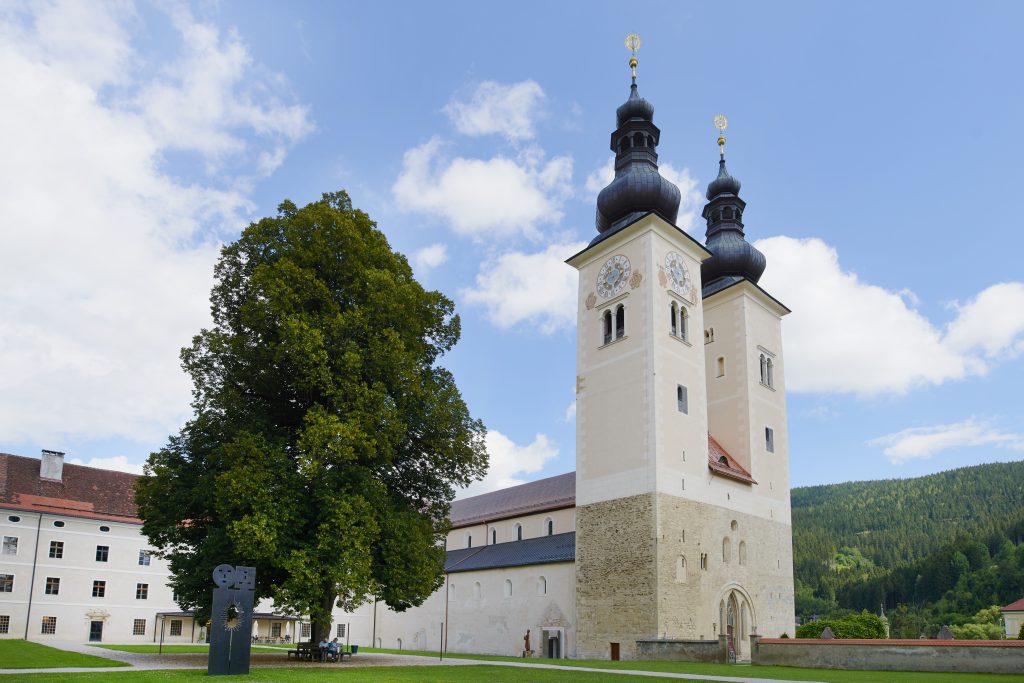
615, 581
688, 606
992, 656
681, 651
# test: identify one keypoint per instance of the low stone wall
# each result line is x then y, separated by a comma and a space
681, 650
985, 656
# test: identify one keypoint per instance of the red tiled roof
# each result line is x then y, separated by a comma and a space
537, 496
729, 468
1017, 606
82, 492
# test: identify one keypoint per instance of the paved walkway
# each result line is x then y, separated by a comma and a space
266, 658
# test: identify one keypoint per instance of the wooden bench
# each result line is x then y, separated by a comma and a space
304, 651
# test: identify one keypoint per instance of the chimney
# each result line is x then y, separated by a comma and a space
52, 465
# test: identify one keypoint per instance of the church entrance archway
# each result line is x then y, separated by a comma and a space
738, 619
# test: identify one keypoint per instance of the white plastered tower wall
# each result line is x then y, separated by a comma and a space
747, 325
631, 435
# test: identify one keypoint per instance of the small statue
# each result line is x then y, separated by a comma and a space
526, 644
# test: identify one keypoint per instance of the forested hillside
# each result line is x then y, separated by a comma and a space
934, 550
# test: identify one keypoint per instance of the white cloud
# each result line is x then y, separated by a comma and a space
118, 463
493, 197
992, 322
495, 108
539, 289
570, 412
924, 442
691, 201
846, 335
509, 460
107, 259
430, 257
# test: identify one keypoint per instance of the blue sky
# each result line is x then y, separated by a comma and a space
879, 147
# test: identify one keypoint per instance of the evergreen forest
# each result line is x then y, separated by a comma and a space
943, 549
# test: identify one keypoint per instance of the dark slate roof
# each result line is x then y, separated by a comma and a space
82, 492
537, 496
543, 550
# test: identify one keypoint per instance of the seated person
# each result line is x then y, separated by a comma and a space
323, 646
333, 648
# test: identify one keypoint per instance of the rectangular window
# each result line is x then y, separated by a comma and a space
275, 630
139, 627
307, 630
99, 589
143, 558
102, 553
175, 627
721, 366
52, 585
341, 630
5, 623
769, 439
49, 625
56, 549
682, 399
142, 591
6, 583
10, 546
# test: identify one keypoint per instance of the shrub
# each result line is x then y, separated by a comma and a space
853, 626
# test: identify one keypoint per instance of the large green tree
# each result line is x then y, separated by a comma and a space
327, 441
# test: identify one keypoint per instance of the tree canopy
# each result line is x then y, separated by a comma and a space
326, 442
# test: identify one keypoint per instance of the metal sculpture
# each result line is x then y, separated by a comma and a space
231, 620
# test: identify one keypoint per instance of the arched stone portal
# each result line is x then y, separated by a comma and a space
738, 619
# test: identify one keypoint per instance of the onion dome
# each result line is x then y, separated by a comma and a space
733, 258
638, 188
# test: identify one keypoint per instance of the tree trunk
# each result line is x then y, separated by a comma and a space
322, 630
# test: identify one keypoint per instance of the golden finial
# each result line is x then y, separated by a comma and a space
633, 44
721, 123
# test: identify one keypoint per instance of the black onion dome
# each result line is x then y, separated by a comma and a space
638, 188
733, 258
723, 184
635, 107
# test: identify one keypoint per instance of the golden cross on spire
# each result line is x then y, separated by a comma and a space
633, 44
721, 123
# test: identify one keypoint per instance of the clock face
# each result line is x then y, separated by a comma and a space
613, 276
677, 272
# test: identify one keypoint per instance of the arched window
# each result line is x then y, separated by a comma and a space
451, 592
519, 532
508, 588
681, 570
606, 325
726, 550
494, 537
721, 366
542, 586
770, 373
743, 552
703, 560
549, 526
638, 139
620, 321
684, 324
469, 540
673, 312
682, 399
477, 592
764, 370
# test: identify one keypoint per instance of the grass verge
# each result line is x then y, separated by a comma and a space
24, 654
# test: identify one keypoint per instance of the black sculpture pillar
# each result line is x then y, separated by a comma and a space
231, 620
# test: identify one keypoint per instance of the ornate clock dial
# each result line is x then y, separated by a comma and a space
613, 276
677, 271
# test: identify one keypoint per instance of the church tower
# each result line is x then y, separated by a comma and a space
674, 534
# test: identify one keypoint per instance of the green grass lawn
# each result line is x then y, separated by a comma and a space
23, 654
767, 672
316, 673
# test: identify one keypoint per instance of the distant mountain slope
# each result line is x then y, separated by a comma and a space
894, 521
934, 550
